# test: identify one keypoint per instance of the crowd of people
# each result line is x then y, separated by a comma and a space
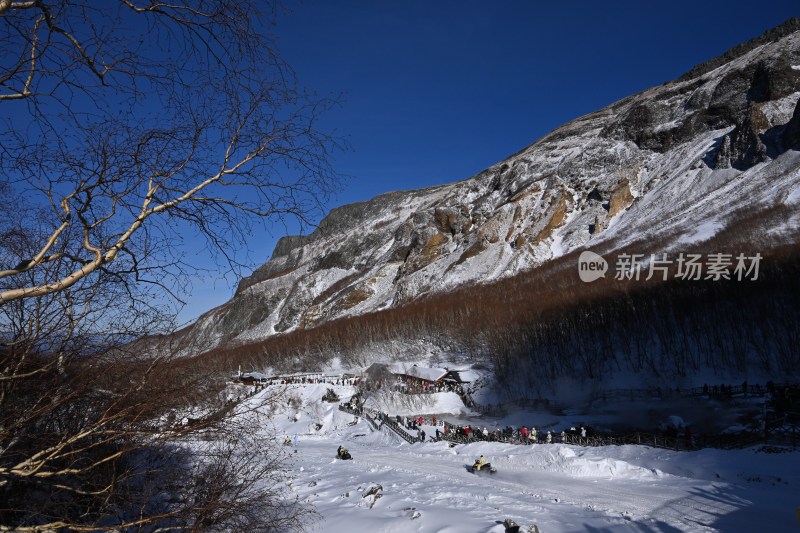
425, 387
509, 434
412, 426
313, 380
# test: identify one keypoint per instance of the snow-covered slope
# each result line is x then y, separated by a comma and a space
675, 163
425, 487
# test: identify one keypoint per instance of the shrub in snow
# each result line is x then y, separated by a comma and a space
330, 396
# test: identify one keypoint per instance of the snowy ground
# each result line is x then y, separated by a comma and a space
427, 487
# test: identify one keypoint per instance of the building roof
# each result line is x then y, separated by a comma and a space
466, 376
254, 375
420, 372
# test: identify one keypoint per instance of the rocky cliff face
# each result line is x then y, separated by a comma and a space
721, 140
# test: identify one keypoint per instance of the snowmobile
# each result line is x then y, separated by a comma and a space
343, 454
482, 467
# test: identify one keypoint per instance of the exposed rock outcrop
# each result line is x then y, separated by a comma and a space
791, 135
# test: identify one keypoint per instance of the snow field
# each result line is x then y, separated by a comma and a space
559, 488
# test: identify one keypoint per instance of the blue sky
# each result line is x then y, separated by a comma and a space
434, 92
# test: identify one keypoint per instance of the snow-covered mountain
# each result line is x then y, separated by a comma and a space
675, 163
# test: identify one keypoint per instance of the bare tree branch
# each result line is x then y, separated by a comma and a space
131, 128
